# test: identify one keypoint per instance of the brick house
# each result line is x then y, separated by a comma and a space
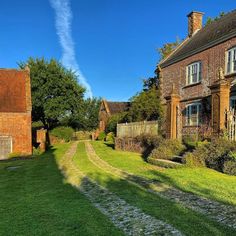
107, 109
198, 79
15, 112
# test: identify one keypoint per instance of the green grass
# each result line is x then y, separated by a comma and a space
201, 181
185, 220
35, 200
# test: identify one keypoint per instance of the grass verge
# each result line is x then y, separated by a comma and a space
36, 201
201, 181
185, 220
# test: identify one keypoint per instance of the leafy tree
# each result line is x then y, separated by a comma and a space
55, 91
86, 118
211, 19
168, 48
146, 105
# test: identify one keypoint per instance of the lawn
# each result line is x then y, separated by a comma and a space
201, 181
183, 219
35, 200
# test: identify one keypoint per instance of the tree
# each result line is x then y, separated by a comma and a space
146, 105
86, 118
115, 119
56, 94
168, 48
211, 19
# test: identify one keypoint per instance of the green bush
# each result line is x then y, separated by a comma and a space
110, 137
150, 141
83, 135
211, 154
167, 149
102, 136
191, 161
230, 167
62, 132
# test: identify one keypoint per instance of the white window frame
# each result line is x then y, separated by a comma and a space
230, 61
191, 70
189, 121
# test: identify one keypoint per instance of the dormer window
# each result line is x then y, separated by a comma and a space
193, 73
231, 61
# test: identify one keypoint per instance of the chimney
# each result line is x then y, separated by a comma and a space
194, 22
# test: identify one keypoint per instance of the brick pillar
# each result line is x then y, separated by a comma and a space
220, 95
172, 115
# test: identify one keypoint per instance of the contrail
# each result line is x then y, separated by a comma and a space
63, 26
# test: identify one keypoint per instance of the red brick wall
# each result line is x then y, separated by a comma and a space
18, 126
15, 109
212, 59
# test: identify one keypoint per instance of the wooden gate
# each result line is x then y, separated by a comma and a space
231, 124
5, 146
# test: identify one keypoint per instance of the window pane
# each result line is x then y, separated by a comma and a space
199, 71
229, 62
234, 61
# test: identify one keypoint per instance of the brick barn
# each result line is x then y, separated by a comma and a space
198, 79
107, 109
15, 112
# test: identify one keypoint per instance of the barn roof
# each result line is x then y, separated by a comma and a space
117, 107
212, 34
12, 90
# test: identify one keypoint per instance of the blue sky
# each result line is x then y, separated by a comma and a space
115, 41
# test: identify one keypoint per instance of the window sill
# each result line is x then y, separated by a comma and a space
191, 85
230, 75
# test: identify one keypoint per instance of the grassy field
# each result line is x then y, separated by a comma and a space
185, 220
36, 201
201, 181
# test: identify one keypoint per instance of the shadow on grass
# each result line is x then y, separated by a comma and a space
195, 187
38, 201
183, 219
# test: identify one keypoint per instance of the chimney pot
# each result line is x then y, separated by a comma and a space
194, 22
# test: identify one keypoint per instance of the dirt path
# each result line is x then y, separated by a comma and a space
219, 212
131, 220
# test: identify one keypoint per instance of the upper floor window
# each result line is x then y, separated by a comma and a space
193, 73
231, 60
193, 114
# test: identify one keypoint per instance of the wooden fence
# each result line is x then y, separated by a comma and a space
135, 129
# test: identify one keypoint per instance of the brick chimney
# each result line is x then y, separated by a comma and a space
194, 22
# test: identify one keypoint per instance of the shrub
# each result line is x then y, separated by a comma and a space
150, 141
192, 161
230, 167
167, 149
102, 136
211, 154
83, 135
62, 132
110, 137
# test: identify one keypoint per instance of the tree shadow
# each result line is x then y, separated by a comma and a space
183, 219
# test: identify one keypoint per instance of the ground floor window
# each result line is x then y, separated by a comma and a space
193, 112
233, 102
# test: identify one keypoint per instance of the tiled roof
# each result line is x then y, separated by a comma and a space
212, 34
12, 90
117, 107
